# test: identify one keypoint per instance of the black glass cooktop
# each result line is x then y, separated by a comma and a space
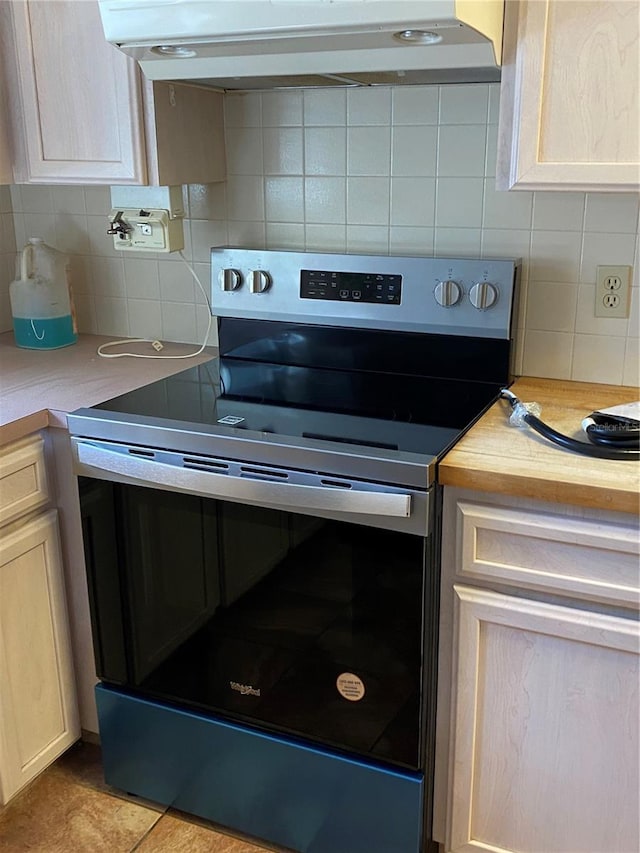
395, 412
395, 391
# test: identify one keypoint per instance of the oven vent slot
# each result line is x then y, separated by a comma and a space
136, 451
263, 473
204, 464
336, 484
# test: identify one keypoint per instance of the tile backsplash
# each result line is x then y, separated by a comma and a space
399, 170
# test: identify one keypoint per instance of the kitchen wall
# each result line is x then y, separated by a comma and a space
382, 170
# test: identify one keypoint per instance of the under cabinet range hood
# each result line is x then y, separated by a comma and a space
265, 44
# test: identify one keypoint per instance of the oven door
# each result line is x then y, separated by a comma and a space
309, 612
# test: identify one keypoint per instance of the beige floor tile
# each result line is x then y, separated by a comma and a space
179, 836
58, 815
82, 763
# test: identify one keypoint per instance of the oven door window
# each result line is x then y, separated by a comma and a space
288, 622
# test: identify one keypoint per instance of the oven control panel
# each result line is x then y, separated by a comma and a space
451, 296
351, 286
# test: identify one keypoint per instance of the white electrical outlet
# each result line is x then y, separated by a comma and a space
612, 292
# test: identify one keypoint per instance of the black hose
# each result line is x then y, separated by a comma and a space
597, 450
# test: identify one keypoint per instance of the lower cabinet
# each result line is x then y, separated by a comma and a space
545, 728
539, 708
38, 711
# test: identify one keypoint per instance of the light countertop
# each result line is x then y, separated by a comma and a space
496, 457
38, 387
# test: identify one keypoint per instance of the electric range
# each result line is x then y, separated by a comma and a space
262, 539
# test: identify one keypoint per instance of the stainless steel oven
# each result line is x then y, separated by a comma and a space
262, 545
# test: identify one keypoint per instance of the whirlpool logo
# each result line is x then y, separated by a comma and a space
244, 689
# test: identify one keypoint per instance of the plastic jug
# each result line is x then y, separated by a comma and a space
41, 300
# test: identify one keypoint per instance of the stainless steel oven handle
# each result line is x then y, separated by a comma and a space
137, 470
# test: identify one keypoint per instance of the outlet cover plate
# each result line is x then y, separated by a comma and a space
612, 292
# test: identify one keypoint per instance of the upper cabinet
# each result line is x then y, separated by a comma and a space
569, 105
6, 173
83, 113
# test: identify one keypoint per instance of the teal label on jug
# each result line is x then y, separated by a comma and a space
41, 300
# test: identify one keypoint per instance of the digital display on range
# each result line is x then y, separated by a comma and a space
351, 286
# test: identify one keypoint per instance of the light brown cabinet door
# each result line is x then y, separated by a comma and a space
82, 113
80, 97
38, 709
569, 105
6, 166
545, 735
6, 170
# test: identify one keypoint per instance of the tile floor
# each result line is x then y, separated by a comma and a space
70, 809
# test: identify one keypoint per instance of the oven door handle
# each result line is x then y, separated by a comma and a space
135, 470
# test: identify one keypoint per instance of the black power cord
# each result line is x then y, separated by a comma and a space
622, 442
612, 432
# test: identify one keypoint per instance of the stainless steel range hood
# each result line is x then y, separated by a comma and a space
264, 44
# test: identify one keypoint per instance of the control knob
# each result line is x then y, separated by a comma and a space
230, 279
447, 293
260, 281
483, 295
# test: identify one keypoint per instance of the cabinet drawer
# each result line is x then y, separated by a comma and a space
23, 478
563, 555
